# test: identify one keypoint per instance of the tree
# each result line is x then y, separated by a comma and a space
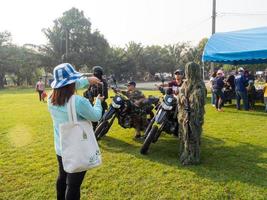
22, 64
71, 40
5, 39
153, 60
135, 55
119, 63
199, 52
176, 54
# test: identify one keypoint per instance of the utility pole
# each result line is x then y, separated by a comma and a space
213, 25
67, 45
213, 16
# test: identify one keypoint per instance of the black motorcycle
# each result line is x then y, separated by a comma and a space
124, 110
164, 120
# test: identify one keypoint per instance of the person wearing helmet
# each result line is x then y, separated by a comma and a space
94, 90
174, 85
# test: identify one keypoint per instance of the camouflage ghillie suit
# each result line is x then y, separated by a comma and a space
192, 94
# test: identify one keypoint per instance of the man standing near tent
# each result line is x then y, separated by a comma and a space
240, 88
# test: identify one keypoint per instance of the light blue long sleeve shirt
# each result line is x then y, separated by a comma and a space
84, 110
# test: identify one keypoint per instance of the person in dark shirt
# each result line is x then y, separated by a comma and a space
241, 82
229, 92
213, 98
251, 94
94, 90
230, 82
174, 85
218, 85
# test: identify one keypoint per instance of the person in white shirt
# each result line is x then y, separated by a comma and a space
40, 87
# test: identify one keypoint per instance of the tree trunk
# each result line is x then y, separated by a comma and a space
2, 80
19, 81
45, 81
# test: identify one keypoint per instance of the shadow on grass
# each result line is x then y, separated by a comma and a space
257, 111
17, 90
219, 162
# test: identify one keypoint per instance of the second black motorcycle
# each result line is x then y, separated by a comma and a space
164, 120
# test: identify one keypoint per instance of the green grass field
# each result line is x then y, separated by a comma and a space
233, 158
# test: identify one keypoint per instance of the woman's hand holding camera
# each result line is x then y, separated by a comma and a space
101, 98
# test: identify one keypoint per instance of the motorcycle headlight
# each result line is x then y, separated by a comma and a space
118, 99
169, 100
115, 105
166, 107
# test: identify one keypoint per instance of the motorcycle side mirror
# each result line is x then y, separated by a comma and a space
162, 90
114, 80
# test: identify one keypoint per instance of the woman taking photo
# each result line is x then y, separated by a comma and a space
66, 81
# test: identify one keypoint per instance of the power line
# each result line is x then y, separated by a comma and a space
194, 25
222, 14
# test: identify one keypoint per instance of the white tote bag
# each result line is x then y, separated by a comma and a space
79, 148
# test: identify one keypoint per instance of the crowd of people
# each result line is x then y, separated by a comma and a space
188, 87
92, 106
239, 86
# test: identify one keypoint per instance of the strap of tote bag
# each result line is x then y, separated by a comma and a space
71, 109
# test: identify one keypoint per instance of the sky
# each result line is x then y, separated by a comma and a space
150, 22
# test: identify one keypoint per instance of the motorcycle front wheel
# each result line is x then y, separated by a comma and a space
102, 129
149, 139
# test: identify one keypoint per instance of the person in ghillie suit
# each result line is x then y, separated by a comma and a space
191, 101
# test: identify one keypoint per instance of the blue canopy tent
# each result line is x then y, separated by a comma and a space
237, 47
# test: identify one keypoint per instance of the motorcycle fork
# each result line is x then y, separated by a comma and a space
112, 120
160, 129
151, 123
149, 126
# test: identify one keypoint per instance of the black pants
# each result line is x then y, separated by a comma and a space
68, 184
40, 94
219, 98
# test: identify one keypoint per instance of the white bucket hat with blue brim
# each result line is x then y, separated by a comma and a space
64, 74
